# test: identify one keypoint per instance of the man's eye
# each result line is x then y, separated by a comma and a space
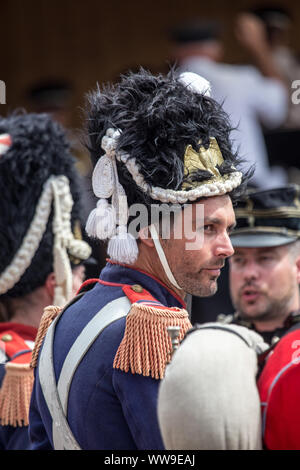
265, 258
237, 260
208, 228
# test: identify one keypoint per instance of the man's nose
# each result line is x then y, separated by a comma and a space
250, 270
224, 247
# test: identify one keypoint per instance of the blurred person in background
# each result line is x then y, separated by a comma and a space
251, 95
265, 267
278, 23
41, 252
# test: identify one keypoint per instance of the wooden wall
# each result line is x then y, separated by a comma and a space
94, 40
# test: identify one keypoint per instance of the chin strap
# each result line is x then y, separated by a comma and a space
162, 256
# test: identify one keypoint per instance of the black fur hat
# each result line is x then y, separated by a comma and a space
159, 116
36, 150
144, 125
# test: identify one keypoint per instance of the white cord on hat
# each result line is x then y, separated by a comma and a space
109, 221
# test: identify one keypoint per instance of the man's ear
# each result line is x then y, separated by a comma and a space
145, 237
50, 284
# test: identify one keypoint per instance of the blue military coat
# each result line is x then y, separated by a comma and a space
107, 408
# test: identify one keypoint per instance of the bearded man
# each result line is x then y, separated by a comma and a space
157, 142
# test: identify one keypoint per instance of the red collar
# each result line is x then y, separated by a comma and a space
180, 300
27, 332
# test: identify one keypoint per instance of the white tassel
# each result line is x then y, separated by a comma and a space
123, 247
106, 224
101, 222
90, 226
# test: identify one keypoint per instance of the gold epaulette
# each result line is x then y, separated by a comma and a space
50, 313
16, 389
146, 346
15, 394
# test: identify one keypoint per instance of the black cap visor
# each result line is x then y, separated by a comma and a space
260, 239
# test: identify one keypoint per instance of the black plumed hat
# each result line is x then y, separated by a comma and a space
142, 132
33, 149
159, 116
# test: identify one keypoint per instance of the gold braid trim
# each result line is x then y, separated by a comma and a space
146, 345
15, 394
50, 313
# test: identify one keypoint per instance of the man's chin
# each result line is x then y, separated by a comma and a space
205, 291
251, 314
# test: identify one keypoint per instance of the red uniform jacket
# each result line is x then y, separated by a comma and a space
279, 388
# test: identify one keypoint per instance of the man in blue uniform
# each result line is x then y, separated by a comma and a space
156, 142
39, 211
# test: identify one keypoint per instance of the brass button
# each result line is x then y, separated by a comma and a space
6, 338
137, 288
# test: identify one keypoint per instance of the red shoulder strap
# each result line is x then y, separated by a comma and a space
15, 347
137, 294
